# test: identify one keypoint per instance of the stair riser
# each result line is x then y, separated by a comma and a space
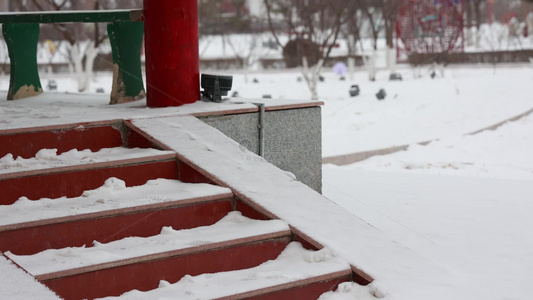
27, 144
138, 138
146, 276
74, 183
307, 292
31, 240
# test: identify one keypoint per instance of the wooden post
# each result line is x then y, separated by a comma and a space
172, 58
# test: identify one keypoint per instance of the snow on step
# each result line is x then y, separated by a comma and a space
113, 195
232, 227
48, 158
294, 264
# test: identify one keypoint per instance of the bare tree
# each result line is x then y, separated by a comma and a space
372, 10
248, 49
77, 37
390, 9
381, 16
351, 32
313, 27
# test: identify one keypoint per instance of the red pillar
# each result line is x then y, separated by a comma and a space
172, 59
491, 3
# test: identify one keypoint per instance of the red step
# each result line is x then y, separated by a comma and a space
72, 181
190, 252
26, 142
305, 274
54, 227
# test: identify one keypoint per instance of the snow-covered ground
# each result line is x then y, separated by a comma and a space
462, 202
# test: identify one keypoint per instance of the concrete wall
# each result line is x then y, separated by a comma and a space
293, 139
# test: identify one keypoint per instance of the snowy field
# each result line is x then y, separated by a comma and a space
462, 201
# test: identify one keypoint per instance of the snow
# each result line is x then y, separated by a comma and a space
294, 263
475, 228
393, 265
462, 201
64, 107
15, 284
48, 158
444, 221
502, 153
112, 195
415, 110
232, 227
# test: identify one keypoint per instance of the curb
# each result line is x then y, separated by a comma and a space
346, 159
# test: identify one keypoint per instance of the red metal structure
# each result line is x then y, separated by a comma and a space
172, 57
430, 26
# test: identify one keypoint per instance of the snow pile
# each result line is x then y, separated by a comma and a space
48, 158
354, 291
294, 263
113, 194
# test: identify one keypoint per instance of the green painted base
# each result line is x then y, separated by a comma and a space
126, 41
21, 40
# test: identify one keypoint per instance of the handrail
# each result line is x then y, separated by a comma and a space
74, 16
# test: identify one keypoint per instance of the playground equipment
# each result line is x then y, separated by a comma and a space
430, 26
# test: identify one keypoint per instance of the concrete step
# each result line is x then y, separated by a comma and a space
296, 273
68, 178
235, 242
110, 212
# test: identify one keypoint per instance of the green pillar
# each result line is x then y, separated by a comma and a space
21, 40
126, 41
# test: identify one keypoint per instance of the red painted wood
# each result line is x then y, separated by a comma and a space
190, 175
361, 279
136, 140
172, 56
307, 292
146, 276
28, 144
248, 211
31, 240
305, 243
74, 183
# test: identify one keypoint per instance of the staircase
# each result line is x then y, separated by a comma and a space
129, 217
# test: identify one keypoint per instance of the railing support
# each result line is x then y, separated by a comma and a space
172, 58
126, 41
21, 40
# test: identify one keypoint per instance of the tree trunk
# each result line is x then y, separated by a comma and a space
77, 57
311, 76
391, 59
370, 64
351, 58
468, 11
477, 14
90, 55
